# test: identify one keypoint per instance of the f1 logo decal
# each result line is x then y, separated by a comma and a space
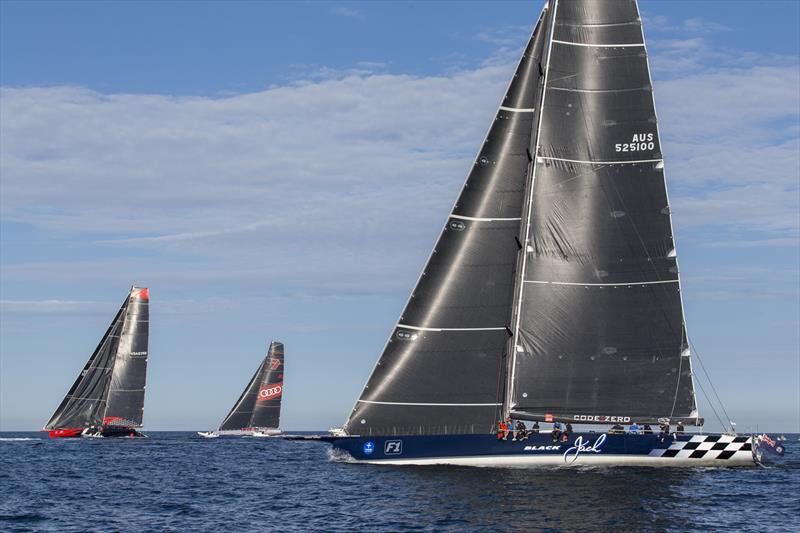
393, 447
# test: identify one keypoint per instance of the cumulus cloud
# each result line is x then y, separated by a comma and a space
341, 179
335, 174
732, 148
694, 25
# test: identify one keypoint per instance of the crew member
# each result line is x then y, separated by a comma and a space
556, 433
520, 431
502, 430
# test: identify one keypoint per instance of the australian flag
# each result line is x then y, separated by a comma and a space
770, 445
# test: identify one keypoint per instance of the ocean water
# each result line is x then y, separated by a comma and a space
180, 482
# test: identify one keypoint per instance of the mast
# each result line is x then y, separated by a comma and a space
85, 402
599, 331
443, 368
125, 400
548, 19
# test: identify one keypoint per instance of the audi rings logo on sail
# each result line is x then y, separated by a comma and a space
270, 392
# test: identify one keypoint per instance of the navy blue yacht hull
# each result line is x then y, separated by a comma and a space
540, 449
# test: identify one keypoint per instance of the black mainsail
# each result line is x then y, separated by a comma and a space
599, 326
259, 405
110, 388
553, 290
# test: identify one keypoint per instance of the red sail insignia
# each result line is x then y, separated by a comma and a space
270, 392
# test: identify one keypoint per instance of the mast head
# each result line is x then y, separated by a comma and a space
142, 293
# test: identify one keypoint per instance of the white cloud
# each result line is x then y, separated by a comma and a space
340, 181
348, 12
323, 184
793, 242
508, 36
660, 23
733, 153
49, 306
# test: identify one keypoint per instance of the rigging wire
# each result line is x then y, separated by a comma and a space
711, 404
711, 383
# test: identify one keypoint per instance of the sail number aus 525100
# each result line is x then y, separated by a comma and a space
640, 142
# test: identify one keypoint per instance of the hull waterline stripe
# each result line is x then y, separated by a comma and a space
518, 109
739, 459
602, 284
503, 328
600, 162
434, 404
619, 45
478, 219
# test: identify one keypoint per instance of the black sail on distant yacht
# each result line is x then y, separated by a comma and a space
107, 398
552, 294
257, 412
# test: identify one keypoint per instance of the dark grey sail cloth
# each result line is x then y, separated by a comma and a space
125, 405
243, 413
442, 370
267, 409
85, 403
601, 333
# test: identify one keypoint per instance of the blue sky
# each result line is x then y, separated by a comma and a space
281, 170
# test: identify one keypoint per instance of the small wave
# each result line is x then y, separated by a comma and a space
17, 439
22, 517
339, 456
